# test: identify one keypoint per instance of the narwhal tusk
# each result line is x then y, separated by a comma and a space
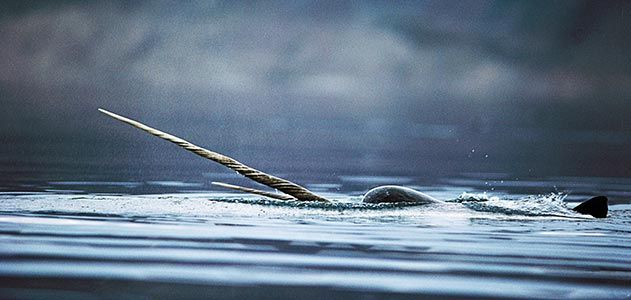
285, 186
253, 191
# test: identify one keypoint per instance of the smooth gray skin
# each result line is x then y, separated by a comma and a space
395, 194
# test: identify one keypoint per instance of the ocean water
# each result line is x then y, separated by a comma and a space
495, 237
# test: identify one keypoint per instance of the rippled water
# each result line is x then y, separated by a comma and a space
118, 239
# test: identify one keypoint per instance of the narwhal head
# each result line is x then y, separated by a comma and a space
396, 194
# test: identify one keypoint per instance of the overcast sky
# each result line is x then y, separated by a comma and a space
420, 68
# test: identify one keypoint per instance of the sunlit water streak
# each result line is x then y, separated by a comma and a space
197, 244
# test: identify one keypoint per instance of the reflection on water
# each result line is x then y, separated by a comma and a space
104, 239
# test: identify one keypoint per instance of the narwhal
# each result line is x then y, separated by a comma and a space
597, 206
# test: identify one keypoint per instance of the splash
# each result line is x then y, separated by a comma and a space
552, 204
349, 203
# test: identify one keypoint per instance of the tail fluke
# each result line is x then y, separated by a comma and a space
274, 182
596, 207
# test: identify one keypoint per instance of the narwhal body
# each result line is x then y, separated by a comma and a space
596, 206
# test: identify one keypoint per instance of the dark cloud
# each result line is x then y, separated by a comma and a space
208, 67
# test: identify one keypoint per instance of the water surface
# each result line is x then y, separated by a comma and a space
497, 237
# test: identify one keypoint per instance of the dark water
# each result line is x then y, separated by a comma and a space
91, 232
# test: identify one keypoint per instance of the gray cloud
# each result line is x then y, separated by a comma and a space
252, 52
318, 59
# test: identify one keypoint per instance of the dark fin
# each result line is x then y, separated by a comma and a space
596, 207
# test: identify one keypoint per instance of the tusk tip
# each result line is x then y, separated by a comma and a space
109, 113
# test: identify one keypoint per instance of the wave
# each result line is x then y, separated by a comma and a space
552, 204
